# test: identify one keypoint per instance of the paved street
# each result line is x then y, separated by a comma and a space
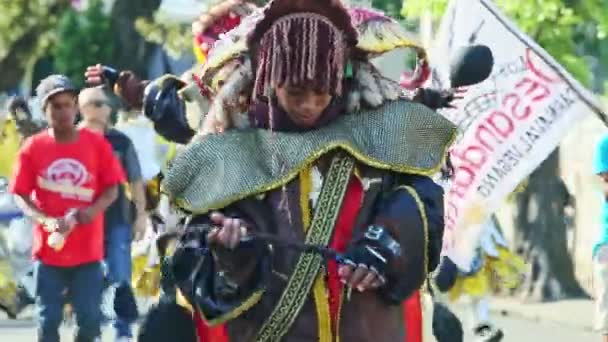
519, 330
516, 330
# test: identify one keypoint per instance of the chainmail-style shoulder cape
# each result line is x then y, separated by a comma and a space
221, 169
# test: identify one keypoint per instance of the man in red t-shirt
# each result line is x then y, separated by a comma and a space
63, 170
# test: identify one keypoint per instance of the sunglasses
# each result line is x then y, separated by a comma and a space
98, 103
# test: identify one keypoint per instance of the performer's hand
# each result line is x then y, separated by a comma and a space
366, 260
99, 74
360, 277
94, 75
229, 231
457, 95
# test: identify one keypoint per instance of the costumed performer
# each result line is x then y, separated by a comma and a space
328, 155
494, 269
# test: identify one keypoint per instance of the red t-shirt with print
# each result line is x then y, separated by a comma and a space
62, 176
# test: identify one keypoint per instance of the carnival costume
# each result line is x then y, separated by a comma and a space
354, 189
494, 269
218, 20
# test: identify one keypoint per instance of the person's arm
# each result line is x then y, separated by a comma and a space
412, 215
138, 193
125, 84
110, 175
30, 209
22, 185
139, 197
134, 177
231, 271
107, 197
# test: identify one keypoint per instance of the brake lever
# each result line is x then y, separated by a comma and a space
325, 252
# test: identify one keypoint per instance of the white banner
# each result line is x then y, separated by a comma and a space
510, 123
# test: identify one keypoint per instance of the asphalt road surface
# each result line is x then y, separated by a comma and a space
516, 330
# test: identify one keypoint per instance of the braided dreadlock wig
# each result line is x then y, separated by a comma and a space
302, 42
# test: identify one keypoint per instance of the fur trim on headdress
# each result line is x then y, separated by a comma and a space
230, 102
370, 88
302, 41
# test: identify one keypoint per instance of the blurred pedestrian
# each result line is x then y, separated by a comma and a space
65, 179
126, 217
600, 250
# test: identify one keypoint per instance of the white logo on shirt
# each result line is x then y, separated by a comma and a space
67, 177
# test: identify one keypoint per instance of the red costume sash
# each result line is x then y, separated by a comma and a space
412, 310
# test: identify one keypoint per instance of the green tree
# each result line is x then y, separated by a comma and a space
572, 32
175, 38
390, 7
29, 30
132, 50
85, 40
26, 32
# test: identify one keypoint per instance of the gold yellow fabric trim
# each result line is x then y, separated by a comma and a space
180, 202
319, 288
338, 320
322, 306
219, 170
425, 224
357, 174
182, 301
236, 312
370, 42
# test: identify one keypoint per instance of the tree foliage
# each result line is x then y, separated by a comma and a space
26, 32
131, 48
84, 40
174, 37
571, 31
390, 7
29, 30
574, 33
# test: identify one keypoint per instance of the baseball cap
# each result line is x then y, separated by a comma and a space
53, 85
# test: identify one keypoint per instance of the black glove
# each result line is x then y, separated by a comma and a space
374, 250
109, 75
446, 326
164, 107
434, 99
446, 275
